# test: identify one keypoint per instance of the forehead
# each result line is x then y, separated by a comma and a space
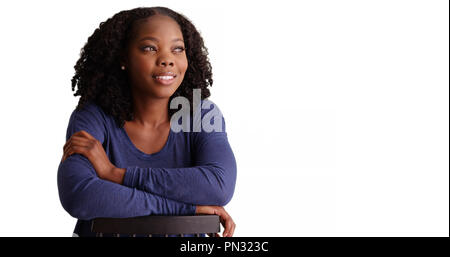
159, 26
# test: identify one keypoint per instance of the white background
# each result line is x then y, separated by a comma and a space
337, 111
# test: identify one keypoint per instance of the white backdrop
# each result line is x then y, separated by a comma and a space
337, 111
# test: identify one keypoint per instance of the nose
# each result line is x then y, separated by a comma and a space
165, 60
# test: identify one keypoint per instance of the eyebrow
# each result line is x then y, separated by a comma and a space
156, 40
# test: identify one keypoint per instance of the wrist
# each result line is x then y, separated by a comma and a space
119, 175
116, 175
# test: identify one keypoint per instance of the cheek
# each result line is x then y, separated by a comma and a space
142, 65
183, 65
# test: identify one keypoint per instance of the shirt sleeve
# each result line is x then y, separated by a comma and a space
85, 196
211, 181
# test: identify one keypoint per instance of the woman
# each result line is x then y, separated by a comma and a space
122, 157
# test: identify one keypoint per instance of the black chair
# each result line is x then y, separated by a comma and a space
162, 225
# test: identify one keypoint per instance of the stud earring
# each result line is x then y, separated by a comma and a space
123, 67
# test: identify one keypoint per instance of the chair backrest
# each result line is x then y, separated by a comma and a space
163, 225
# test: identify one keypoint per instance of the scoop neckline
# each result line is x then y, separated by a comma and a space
140, 153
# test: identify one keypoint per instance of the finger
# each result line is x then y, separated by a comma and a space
223, 222
78, 133
75, 149
72, 138
69, 153
77, 141
80, 138
231, 225
220, 214
228, 228
232, 229
66, 144
81, 134
226, 222
86, 134
80, 141
65, 149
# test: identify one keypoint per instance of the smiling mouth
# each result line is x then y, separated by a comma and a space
165, 80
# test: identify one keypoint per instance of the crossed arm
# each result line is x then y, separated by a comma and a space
210, 182
90, 186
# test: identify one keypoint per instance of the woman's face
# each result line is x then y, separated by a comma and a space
156, 60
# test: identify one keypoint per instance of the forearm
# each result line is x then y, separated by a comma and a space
117, 175
85, 196
200, 185
211, 181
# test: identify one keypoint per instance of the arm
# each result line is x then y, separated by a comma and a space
210, 182
85, 196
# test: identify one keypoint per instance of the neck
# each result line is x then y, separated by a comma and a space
151, 112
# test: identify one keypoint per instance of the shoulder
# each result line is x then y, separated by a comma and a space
208, 126
208, 106
209, 116
90, 118
89, 111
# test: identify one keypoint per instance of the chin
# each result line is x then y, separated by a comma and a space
164, 93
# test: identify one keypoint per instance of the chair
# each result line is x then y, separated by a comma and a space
163, 225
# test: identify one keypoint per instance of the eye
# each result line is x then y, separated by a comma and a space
180, 49
148, 48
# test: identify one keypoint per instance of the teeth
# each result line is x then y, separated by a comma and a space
165, 77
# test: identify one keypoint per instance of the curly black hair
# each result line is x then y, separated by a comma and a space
98, 77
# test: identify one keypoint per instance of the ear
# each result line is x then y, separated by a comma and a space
123, 59
123, 62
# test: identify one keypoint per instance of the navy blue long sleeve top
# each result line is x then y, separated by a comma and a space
193, 168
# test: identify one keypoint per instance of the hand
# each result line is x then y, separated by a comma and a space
225, 218
84, 143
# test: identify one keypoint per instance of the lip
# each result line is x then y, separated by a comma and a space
165, 81
166, 73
